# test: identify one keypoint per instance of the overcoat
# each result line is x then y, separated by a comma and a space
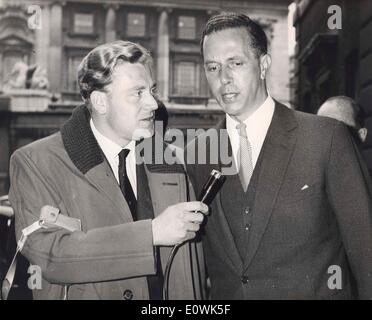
112, 255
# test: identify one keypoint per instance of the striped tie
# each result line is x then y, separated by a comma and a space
245, 157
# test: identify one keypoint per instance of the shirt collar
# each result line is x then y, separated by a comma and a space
109, 147
257, 123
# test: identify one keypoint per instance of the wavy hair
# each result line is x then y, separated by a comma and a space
96, 69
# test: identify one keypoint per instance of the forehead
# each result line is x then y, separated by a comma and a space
226, 43
131, 75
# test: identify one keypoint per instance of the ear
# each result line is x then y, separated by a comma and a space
99, 101
265, 63
362, 132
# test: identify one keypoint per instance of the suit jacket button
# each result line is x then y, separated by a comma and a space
244, 279
128, 295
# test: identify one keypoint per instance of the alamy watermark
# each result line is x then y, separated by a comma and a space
34, 281
197, 146
335, 280
335, 20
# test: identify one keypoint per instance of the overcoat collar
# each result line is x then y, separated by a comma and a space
84, 151
79, 141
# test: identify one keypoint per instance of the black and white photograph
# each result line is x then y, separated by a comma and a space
203, 151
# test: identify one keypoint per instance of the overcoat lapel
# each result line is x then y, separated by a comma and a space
145, 208
104, 180
86, 155
279, 145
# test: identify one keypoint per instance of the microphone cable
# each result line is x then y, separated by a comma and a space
210, 189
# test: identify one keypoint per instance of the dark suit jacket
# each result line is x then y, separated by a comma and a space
297, 233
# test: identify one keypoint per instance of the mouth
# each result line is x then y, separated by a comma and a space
229, 97
149, 118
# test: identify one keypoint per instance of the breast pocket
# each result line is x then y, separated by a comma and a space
166, 190
299, 215
301, 195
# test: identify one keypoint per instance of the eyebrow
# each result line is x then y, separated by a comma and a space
210, 61
229, 59
235, 58
143, 87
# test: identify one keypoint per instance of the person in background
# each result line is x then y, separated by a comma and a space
346, 110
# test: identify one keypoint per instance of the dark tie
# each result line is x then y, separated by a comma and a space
125, 186
155, 282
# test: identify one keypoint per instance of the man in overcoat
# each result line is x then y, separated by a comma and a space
131, 212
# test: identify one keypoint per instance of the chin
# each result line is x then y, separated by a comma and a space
232, 110
143, 133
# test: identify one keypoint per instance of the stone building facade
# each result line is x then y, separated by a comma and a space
56, 34
60, 33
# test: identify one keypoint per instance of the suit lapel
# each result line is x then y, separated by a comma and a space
223, 234
278, 148
225, 237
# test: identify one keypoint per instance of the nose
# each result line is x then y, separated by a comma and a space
226, 76
151, 102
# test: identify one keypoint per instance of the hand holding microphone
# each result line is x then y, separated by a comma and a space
180, 222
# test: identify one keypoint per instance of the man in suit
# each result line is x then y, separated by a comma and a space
130, 212
295, 220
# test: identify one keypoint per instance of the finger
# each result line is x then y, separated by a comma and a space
193, 217
190, 235
192, 226
194, 206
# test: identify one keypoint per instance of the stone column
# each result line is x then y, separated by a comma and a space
42, 37
163, 56
55, 75
1, 72
111, 23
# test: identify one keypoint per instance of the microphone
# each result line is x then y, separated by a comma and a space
211, 187
209, 191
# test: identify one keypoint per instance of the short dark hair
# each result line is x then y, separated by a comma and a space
237, 20
95, 71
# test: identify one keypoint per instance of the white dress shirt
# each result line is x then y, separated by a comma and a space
111, 151
257, 126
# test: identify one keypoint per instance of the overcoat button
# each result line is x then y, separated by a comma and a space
128, 295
